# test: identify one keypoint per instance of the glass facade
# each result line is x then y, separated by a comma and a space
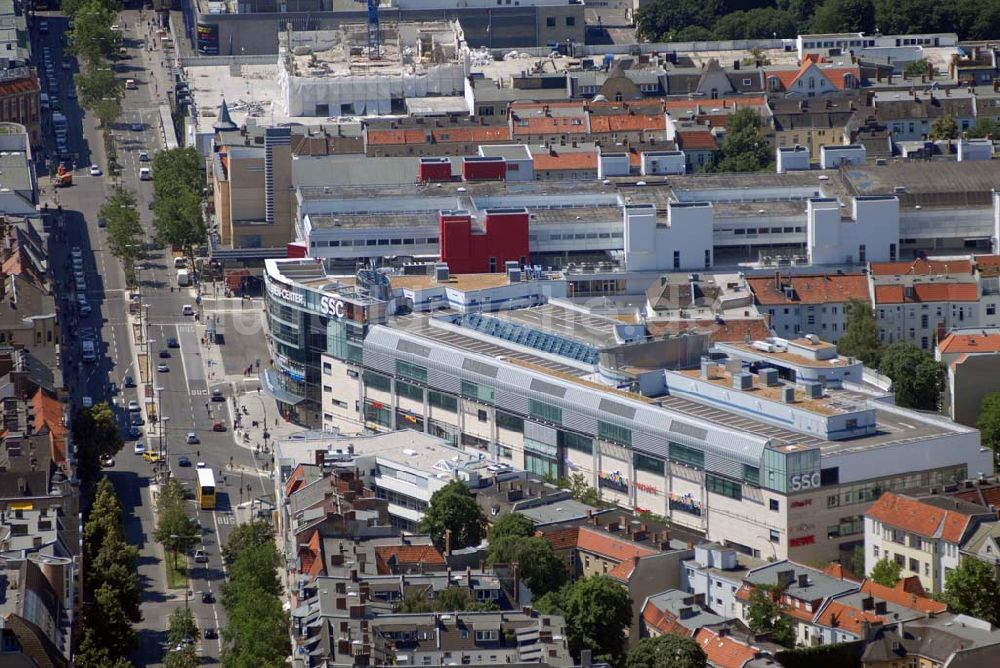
545, 412
614, 433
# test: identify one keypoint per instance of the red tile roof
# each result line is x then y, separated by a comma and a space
969, 343
483, 134
567, 160
28, 84
392, 137
724, 651
562, 539
311, 555
927, 292
731, 103
730, 331
920, 518
296, 480
988, 265
921, 267
695, 140
627, 123
847, 617
427, 555
663, 621
908, 593
49, 412
816, 289
833, 74
598, 541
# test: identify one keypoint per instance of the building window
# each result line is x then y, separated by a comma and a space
550, 22
685, 455
751, 474
409, 391
411, 371
570, 21
723, 486
646, 463
378, 413
444, 401
578, 442
677, 260
478, 392
774, 505
544, 412
510, 422
377, 381
482, 415
614, 433
774, 535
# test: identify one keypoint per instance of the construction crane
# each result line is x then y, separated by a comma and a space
374, 31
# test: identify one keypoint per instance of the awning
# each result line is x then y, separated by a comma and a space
270, 385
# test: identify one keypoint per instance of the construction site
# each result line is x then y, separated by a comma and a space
341, 72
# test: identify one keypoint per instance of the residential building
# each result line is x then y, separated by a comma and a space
715, 575
924, 536
944, 640
814, 76
675, 612
19, 101
972, 361
910, 115
723, 650
812, 124
800, 304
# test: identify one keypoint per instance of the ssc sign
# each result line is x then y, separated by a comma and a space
332, 306
804, 481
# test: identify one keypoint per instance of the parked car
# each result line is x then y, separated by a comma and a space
183, 461
139, 448
217, 395
192, 438
218, 425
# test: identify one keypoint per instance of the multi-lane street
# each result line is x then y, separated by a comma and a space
179, 395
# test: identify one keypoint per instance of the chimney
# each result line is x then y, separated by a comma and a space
447, 542
468, 576
785, 578
880, 608
803, 580
868, 603
595, 519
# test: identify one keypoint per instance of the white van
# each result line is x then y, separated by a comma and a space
187, 310
89, 351
145, 174
180, 262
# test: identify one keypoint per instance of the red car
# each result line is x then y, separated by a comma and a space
218, 425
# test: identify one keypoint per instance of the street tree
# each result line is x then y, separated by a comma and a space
917, 378
254, 570
177, 198
125, 233
182, 626
114, 566
944, 127
666, 651
766, 615
92, 38
96, 435
96, 85
756, 23
972, 589
744, 148
512, 524
175, 529
988, 422
248, 534
454, 507
597, 611
885, 572
458, 599
860, 337
539, 567
186, 657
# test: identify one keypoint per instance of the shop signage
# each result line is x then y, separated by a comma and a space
285, 294
802, 540
327, 305
331, 306
685, 503
804, 481
802, 503
648, 489
615, 481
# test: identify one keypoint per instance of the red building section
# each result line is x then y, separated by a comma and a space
484, 169
434, 169
504, 237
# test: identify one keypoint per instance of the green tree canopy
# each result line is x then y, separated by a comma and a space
916, 68
96, 435
182, 626
744, 148
944, 127
454, 507
512, 524
984, 127
597, 611
248, 534
860, 338
458, 599
972, 589
177, 198
757, 23
918, 379
844, 16
663, 20
886, 572
541, 569
766, 615
666, 651
92, 38
96, 84
988, 422
125, 233
175, 529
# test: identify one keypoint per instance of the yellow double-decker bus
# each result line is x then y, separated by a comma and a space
206, 489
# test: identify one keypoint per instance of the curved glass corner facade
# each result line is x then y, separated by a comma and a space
303, 324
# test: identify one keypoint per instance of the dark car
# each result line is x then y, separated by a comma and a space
164, 354
173, 343
183, 461
218, 425
207, 597
211, 633
129, 381
112, 389
136, 419
134, 431
217, 395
